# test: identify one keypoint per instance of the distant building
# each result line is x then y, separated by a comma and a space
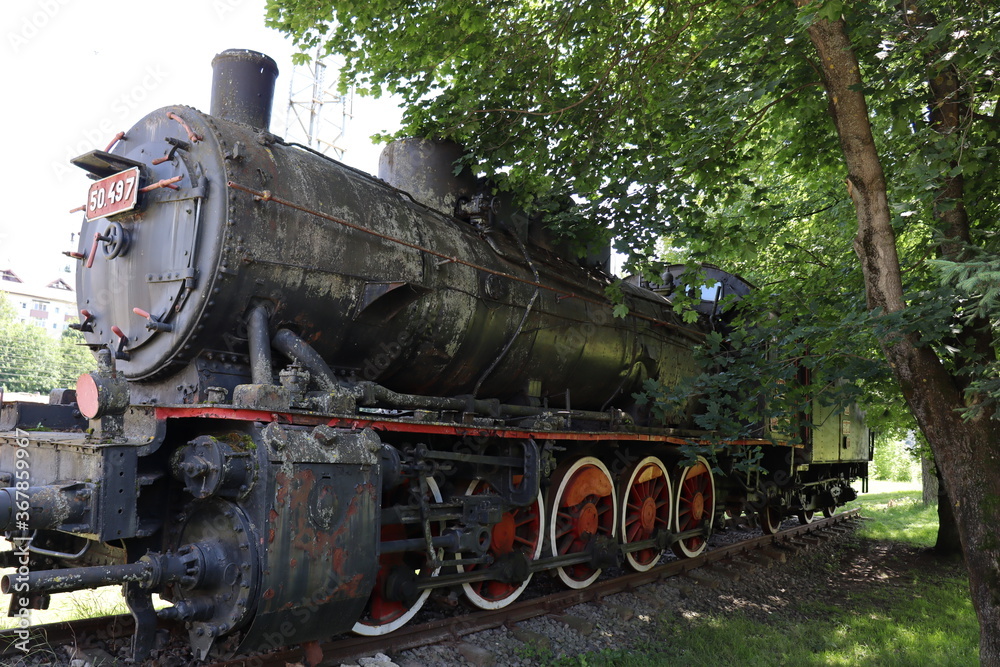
51, 306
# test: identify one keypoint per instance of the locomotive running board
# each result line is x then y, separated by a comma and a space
431, 428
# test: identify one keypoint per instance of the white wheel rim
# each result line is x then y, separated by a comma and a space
630, 556
771, 519
374, 630
478, 600
680, 545
564, 576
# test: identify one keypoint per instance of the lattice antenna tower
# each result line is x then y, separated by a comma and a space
318, 113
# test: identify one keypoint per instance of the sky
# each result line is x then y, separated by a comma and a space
76, 72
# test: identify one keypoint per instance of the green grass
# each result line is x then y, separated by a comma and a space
874, 631
106, 601
899, 515
909, 610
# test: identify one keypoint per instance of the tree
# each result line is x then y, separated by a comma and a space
27, 354
31, 361
893, 461
773, 138
966, 446
75, 358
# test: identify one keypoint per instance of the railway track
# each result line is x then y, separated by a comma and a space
349, 648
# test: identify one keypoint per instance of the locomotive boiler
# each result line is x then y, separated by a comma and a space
320, 395
356, 269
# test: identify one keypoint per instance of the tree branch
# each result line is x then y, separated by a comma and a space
759, 116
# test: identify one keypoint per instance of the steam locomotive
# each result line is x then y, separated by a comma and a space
321, 395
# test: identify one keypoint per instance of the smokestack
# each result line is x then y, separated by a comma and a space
243, 87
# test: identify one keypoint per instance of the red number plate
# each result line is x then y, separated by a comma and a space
113, 194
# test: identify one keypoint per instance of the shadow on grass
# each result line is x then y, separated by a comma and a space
906, 628
898, 516
886, 605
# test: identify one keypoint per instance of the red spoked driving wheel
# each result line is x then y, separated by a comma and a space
386, 609
519, 530
582, 508
645, 509
694, 507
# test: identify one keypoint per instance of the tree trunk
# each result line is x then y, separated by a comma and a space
949, 543
967, 452
929, 481
947, 111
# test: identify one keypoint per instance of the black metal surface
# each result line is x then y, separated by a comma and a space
227, 590
140, 603
31, 416
56, 581
243, 87
56, 506
260, 346
425, 169
209, 467
118, 494
319, 530
102, 164
296, 349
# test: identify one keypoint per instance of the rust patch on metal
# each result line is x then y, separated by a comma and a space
339, 558
313, 653
281, 480
349, 588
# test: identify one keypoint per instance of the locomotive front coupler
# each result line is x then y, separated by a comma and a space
191, 567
